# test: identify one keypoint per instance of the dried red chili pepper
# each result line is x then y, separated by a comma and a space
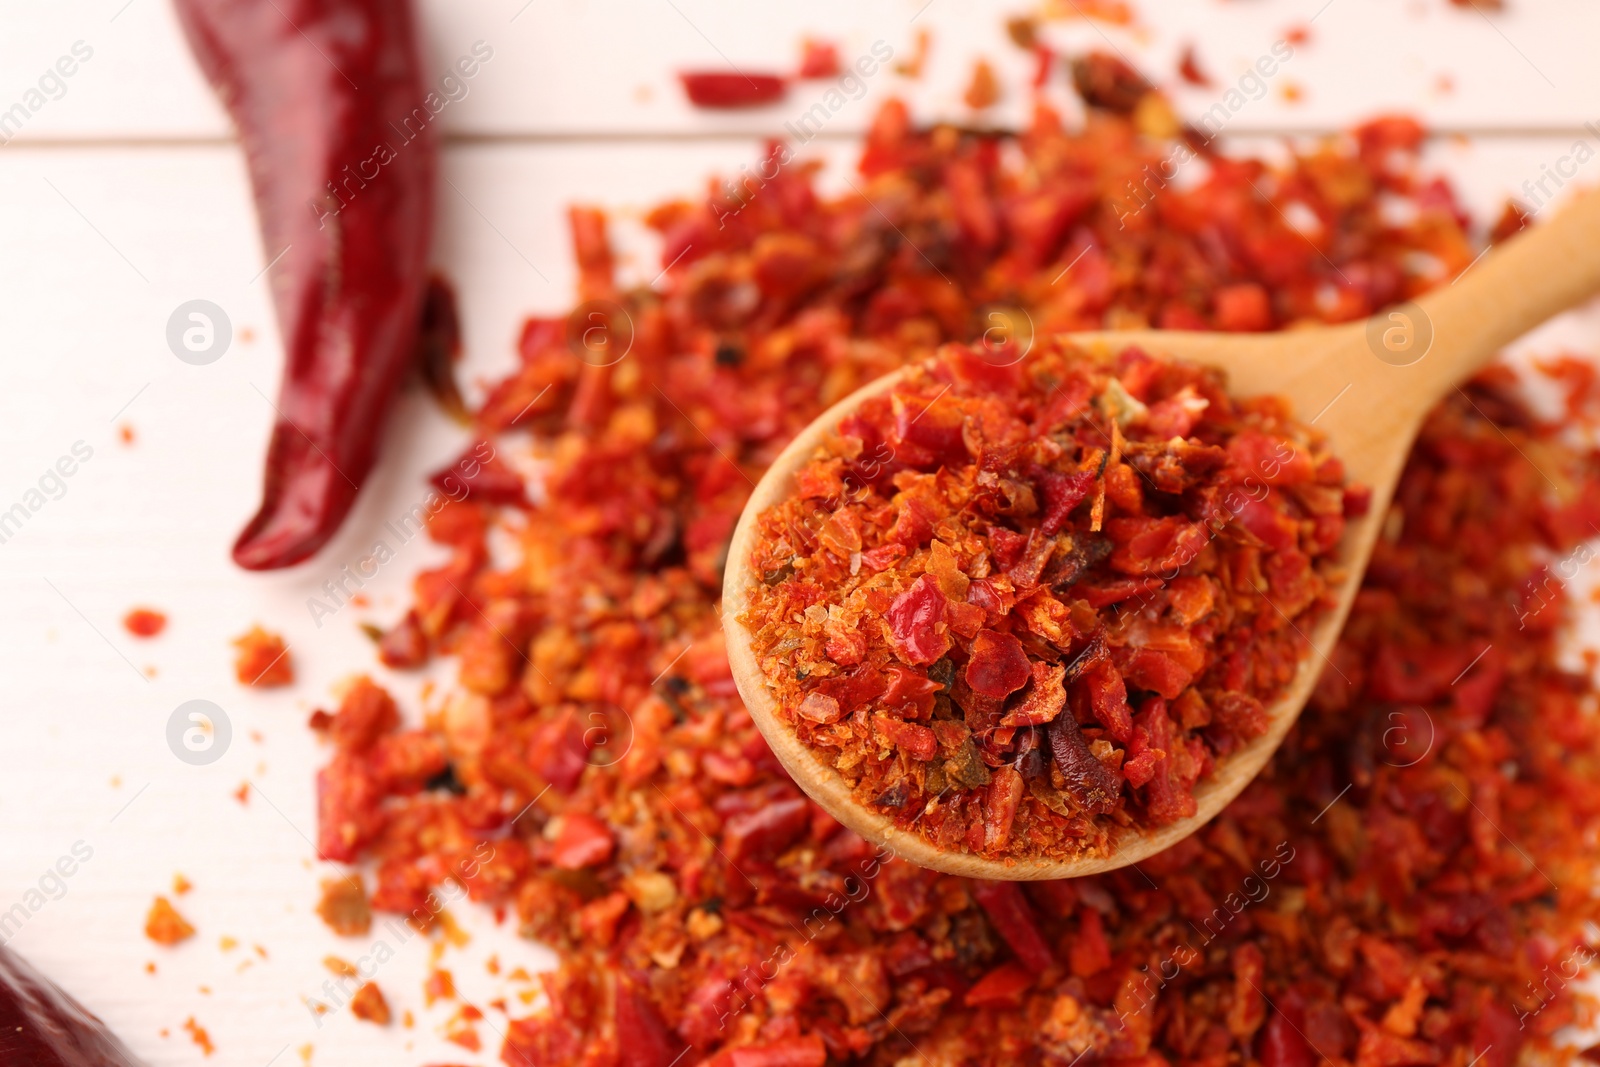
345, 200
41, 1026
724, 89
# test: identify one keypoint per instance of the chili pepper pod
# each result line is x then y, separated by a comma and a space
331, 106
40, 1026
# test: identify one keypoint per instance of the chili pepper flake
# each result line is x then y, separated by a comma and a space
727, 89
164, 925
1023, 31
262, 659
344, 906
983, 91
1349, 865
198, 1035
368, 1005
818, 59
439, 985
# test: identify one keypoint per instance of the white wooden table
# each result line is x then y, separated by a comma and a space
123, 195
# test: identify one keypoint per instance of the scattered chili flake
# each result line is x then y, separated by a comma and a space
984, 89
439, 348
368, 1005
1513, 219
1189, 68
439, 985
1114, 12
242, 794
727, 89
198, 1035
262, 660
341, 968
1023, 31
144, 622
818, 59
1297, 35
462, 1033
125, 433
1106, 82
1296, 918
344, 905
911, 66
181, 885
404, 645
164, 925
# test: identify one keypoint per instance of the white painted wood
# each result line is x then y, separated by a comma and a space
99, 243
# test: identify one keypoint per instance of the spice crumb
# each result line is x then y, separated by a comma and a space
164, 925
144, 622
911, 66
262, 659
368, 1004
198, 1035
344, 906
440, 985
983, 90
1189, 68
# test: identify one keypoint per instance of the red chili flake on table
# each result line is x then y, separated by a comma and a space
1102, 552
440, 985
198, 1035
728, 89
1453, 847
144, 622
818, 59
164, 925
262, 659
1189, 68
984, 89
344, 906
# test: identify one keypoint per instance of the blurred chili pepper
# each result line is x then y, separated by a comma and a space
328, 96
43, 1027
724, 90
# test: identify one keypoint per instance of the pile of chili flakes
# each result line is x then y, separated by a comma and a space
1410, 880
1023, 580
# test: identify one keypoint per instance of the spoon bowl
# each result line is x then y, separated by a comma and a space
1366, 385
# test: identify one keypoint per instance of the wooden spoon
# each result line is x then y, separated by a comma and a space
1367, 385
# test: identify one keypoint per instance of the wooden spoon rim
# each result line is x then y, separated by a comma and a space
828, 788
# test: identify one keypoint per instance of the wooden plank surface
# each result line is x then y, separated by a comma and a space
124, 199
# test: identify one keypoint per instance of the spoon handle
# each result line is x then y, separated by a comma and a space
1537, 274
